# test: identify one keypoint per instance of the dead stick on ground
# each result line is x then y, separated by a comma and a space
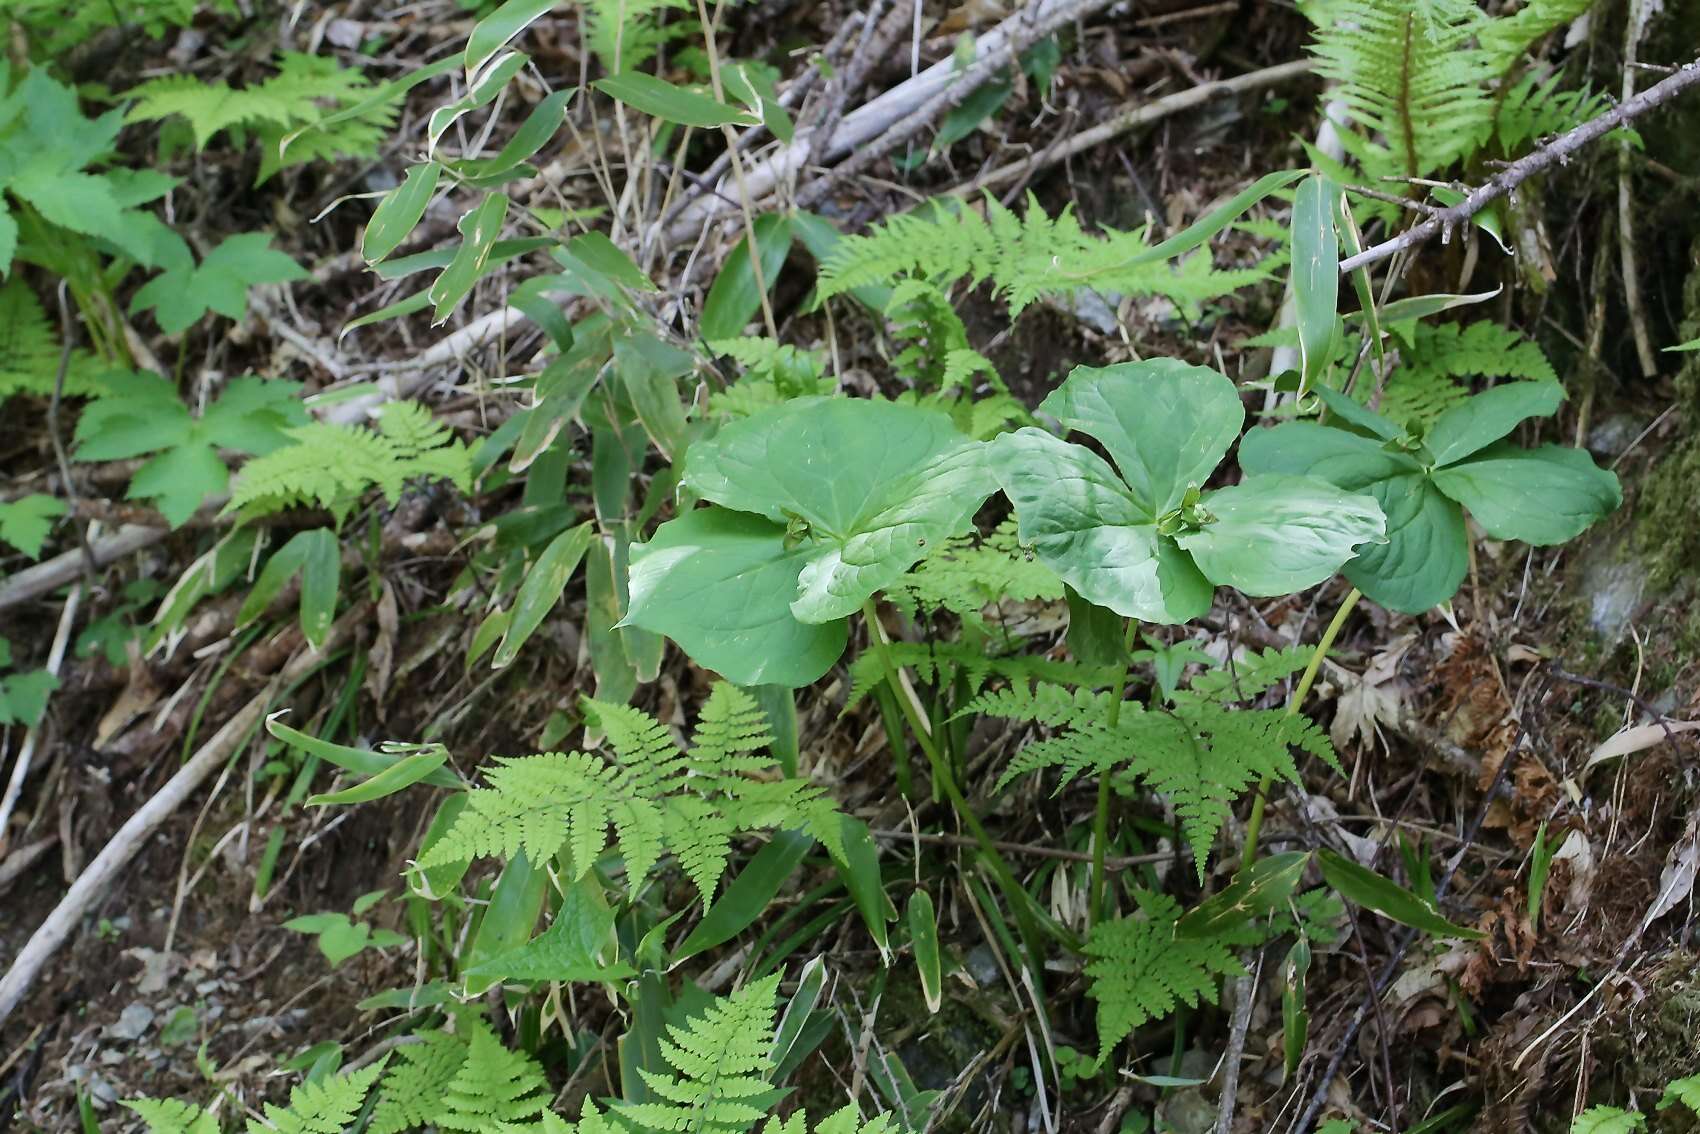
1506, 180
128, 842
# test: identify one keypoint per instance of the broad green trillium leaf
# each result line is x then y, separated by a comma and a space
822, 502
1165, 423
1539, 496
1085, 524
720, 584
1273, 535
1542, 496
1146, 544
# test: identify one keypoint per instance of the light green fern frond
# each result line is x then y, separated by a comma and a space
773, 372
1199, 754
327, 1106
969, 573
295, 96
331, 466
656, 798
1533, 108
1043, 703
416, 1082
1684, 1091
29, 349
625, 34
1504, 39
1428, 380
1139, 969
845, 1121
1608, 1120
1249, 675
1411, 77
493, 1086
1022, 257
173, 1116
721, 1061
942, 663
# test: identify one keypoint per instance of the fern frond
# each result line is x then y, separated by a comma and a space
29, 349
1023, 258
845, 1121
970, 573
172, 1116
1534, 108
721, 1061
331, 466
1411, 74
327, 1106
1249, 675
493, 1086
625, 34
416, 1082
1139, 969
1200, 755
1427, 382
1504, 40
656, 797
295, 96
773, 372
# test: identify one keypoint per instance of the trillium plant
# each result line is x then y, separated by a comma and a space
1149, 543
1424, 481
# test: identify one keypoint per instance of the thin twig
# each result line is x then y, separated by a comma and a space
1019, 848
1506, 180
66, 331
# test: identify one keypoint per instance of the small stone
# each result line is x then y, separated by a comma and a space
132, 1023
982, 966
1615, 434
1614, 589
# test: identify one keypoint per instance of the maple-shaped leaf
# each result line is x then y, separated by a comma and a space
182, 294
23, 696
144, 415
24, 523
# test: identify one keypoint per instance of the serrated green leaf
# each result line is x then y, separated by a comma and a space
179, 296
26, 522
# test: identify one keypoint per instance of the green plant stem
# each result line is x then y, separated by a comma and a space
944, 779
1254, 823
1101, 816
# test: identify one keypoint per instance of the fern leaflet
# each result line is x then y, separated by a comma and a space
1139, 969
333, 465
417, 1081
1023, 257
970, 573
1427, 381
656, 797
327, 1106
721, 1061
173, 1116
494, 1087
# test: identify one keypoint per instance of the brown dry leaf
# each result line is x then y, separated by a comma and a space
139, 696
969, 15
1367, 701
382, 653
1676, 881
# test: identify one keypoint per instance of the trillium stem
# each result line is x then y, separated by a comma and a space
944, 779
1254, 823
1101, 817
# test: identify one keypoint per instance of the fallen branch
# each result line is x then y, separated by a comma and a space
1506, 180
1143, 115
1043, 21
134, 834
